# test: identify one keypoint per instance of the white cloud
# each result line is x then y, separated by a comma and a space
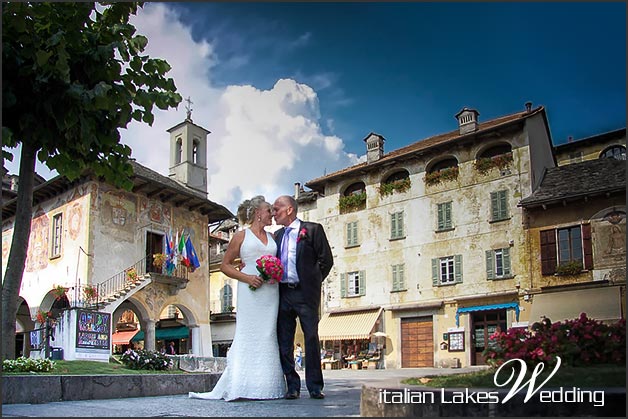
262, 141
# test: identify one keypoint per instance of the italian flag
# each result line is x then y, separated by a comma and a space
183, 251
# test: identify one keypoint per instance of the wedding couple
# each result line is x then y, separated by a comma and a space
260, 362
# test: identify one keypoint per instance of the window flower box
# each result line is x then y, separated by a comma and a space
485, 164
443, 175
389, 188
353, 202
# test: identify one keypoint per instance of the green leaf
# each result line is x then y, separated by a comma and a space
42, 57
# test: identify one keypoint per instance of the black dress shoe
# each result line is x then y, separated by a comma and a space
317, 395
291, 395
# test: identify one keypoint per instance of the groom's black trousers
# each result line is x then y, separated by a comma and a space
293, 303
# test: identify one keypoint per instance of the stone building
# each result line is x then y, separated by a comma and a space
429, 243
91, 257
576, 227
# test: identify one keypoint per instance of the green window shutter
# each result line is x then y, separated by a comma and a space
506, 258
355, 233
503, 205
343, 285
349, 235
393, 225
435, 271
490, 271
400, 224
494, 206
441, 217
362, 282
401, 277
447, 215
458, 268
395, 280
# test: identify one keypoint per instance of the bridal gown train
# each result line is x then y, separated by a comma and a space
253, 367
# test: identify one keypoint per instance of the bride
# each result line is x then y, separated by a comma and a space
253, 367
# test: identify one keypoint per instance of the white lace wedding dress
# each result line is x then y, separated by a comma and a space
253, 368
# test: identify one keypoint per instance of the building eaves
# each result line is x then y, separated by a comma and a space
594, 139
424, 145
577, 181
145, 181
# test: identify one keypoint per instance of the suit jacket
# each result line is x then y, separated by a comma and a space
314, 258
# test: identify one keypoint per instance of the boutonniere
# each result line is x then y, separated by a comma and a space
302, 234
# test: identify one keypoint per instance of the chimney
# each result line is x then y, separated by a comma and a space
297, 190
467, 120
528, 105
374, 147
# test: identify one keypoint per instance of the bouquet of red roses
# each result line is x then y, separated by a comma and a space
270, 269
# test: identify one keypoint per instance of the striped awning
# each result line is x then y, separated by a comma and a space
122, 338
352, 325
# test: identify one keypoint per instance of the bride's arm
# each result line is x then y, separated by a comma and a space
232, 253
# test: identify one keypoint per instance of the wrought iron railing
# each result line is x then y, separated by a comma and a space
114, 287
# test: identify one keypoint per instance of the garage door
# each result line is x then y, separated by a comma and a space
417, 342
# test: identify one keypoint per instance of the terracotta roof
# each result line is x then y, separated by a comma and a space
577, 180
425, 144
145, 181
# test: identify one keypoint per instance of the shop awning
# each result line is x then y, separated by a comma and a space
511, 306
181, 332
602, 303
352, 325
123, 338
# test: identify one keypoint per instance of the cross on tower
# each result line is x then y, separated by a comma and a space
188, 108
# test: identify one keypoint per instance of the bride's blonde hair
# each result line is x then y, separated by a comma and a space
246, 210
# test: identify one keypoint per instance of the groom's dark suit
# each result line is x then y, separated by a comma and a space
313, 261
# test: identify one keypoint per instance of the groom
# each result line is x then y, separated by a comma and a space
307, 259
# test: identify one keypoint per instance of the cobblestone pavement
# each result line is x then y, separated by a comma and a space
342, 389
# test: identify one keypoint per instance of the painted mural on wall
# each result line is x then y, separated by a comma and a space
75, 220
155, 297
118, 212
610, 240
38, 243
154, 212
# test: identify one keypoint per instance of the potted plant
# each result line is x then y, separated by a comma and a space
400, 186
449, 173
42, 316
501, 161
352, 202
90, 292
131, 274
59, 291
573, 267
158, 260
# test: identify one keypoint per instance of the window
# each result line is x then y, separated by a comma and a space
57, 234
226, 300
444, 216
499, 206
195, 152
615, 152
567, 245
178, 151
575, 157
447, 270
498, 263
396, 225
398, 277
353, 284
352, 234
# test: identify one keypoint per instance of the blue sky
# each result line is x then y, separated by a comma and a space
289, 90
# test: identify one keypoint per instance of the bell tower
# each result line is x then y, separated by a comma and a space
188, 153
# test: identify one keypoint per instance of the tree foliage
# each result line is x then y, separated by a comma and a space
72, 75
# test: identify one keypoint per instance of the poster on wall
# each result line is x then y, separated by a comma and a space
92, 330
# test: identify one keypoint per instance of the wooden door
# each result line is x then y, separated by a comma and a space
484, 324
417, 342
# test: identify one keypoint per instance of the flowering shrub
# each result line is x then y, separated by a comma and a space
42, 316
449, 173
270, 269
401, 185
158, 260
22, 364
353, 202
59, 292
90, 293
484, 164
144, 359
579, 342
